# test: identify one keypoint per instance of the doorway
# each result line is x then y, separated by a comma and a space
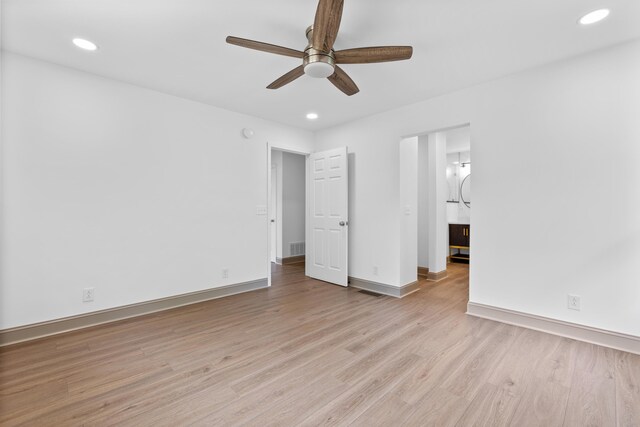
459, 194
308, 213
287, 207
444, 200
435, 192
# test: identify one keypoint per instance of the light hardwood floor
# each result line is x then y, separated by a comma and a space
306, 353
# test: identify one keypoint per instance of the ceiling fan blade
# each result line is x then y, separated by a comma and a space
367, 55
265, 47
287, 78
326, 24
342, 81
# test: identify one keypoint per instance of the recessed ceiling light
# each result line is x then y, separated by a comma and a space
85, 44
593, 17
312, 116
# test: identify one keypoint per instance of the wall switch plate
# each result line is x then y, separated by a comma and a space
261, 210
88, 294
225, 273
573, 302
375, 270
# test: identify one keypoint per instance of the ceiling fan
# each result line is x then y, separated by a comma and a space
319, 60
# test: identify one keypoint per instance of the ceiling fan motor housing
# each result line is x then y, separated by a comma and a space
317, 63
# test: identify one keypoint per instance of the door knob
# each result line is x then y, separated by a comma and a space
341, 223
273, 220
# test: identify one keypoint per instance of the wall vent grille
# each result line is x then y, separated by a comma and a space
296, 248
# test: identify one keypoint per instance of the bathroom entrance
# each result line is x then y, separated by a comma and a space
435, 193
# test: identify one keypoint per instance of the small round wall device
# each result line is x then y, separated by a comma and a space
247, 133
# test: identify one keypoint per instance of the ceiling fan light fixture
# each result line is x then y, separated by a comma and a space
318, 70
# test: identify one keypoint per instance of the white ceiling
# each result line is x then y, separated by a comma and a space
178, 46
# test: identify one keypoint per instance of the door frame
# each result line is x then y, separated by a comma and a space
270, 148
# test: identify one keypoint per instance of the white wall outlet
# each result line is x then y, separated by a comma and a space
88, 294
225, 273
573, 302
375, 270
261, 210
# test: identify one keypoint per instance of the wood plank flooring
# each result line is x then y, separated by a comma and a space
307, 353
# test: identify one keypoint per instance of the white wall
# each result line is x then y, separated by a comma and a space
2, 173
144, 195
567, 136
293, 200
423, 201
139, 194
437, 202
408, 254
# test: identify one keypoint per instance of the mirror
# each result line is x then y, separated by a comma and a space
465, 191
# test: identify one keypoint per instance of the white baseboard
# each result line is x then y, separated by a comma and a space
384, 289
72, 323
615, 340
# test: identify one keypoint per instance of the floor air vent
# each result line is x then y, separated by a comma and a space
373, 294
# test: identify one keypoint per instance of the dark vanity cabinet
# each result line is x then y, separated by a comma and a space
458, 241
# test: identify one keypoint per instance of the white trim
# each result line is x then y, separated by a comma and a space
436, 130
100, 317
384, 289
615, 340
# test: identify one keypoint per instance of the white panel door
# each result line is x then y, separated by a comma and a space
327, 216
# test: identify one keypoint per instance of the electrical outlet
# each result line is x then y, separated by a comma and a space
225, 273
88, 294
375, 270
573, 302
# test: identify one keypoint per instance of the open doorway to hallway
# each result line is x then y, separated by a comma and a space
288, 194
308, 194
